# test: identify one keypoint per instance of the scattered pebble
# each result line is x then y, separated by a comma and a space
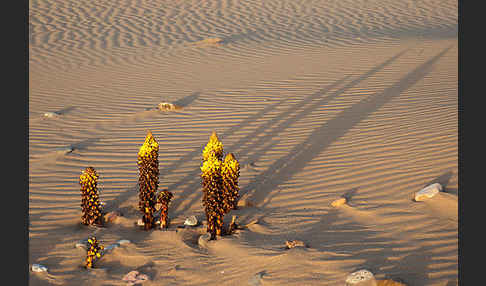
203, 240
135, 277
166, 106
428, 192
191, 221
39, 268
51, 114
361, 278
294, 243
256, 279
339, 202
123, 241
112, 216
210, 41
65, 150
111, 247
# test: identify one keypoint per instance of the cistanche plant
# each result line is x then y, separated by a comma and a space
164, 199
94, 252
148, 166
90, 202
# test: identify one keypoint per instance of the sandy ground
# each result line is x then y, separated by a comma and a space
316, 99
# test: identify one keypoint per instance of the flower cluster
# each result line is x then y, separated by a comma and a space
164, 199
90, 203
94, 251
148, 166
214, 147
230, 171
219, 185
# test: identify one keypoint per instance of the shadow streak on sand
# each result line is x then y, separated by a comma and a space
284, 168
185, 101
235, 148
283, 121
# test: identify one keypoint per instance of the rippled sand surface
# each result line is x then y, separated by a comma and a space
316, 99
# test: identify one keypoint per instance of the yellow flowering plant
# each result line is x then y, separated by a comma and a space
94, 252
90, 203
230, 172
148, 166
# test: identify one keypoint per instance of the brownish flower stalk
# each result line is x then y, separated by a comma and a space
212, 196
148, 166
164, 199
230, 172
94, 252
90, 203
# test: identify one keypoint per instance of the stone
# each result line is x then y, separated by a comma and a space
135, 277
51, 114
39, 268
339, 202
361, 278
166, 106
428, 192
256, 280
294, 243
123, 241
191, 221
111, 216
111, 246
140, 222
203, 240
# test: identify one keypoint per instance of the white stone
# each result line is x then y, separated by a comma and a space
123, 241
361, 278
191, 221
39, 268
428, 192
203, 240
51, 114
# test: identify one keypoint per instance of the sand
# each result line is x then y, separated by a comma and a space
318, 100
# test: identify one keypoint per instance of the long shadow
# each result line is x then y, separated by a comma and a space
443, 180
300, 110
193, 177
285, 167
185, 101
198, 151
259, 130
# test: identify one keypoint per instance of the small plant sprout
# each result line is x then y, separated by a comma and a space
148, 166
90, 203
164, 199
94, 252
230, 172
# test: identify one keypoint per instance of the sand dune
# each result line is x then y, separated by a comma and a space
316, 99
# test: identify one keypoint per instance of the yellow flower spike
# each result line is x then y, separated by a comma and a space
212, 185
148, 166
214, 145
230, 172
148, 146
90, 205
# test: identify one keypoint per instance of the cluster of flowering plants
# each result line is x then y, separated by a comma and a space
219, 184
